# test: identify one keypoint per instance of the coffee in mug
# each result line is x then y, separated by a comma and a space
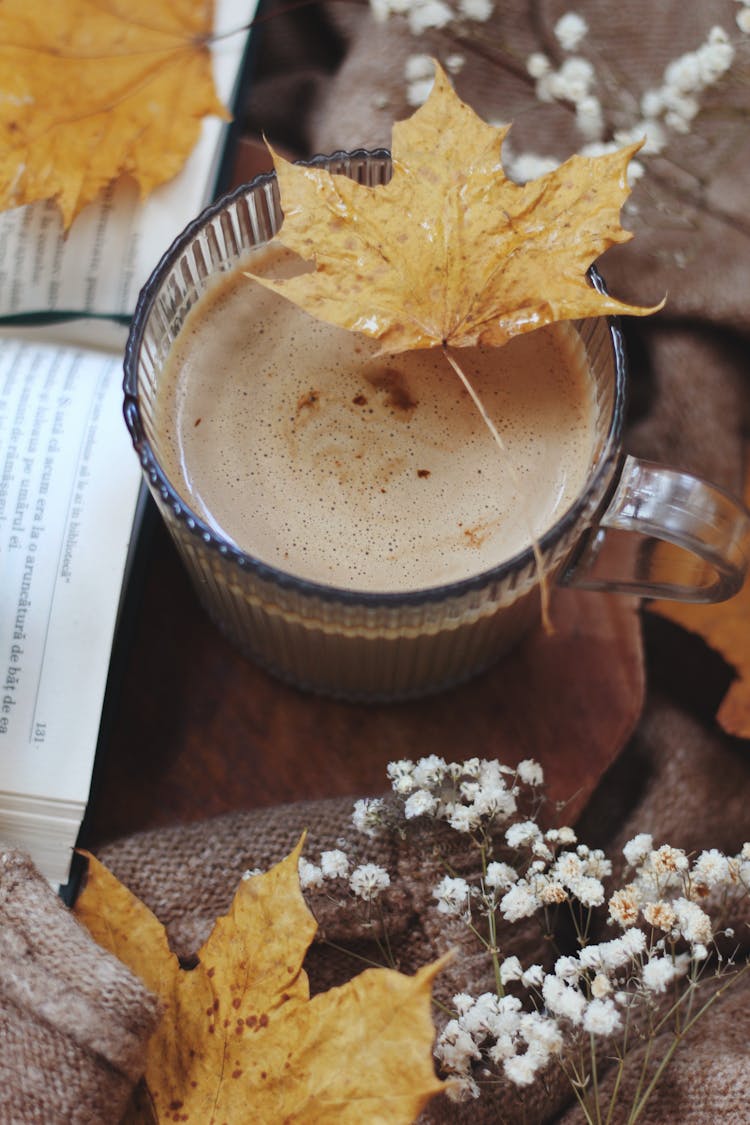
302, 446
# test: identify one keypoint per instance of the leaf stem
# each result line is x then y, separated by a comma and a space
543, 584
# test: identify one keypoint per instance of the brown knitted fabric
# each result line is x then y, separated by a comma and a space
73, 1023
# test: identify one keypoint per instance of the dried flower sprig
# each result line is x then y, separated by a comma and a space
592, 1003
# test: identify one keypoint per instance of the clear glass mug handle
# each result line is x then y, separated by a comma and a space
664, 534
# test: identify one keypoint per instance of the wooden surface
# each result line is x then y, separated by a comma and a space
198, 730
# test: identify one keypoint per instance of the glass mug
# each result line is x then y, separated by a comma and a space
690, 538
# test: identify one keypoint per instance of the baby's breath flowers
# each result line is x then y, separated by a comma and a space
368, 880
475, 796
425, 14
606, 116
359, 886
590, 1003
663, 111
367, 815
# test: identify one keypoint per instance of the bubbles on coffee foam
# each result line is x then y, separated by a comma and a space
311, 465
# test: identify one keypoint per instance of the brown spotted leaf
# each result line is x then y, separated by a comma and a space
91, 91
450, 251
240, 1039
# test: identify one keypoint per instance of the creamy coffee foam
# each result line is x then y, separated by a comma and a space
304, 449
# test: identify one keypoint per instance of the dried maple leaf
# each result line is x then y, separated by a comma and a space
450, 251
91, 91
240, 1040
724, 627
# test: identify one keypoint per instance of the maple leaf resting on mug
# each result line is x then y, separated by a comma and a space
450, 252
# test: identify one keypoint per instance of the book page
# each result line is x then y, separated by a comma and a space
115, 242
69, 484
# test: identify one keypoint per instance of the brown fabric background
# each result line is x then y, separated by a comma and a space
73, 1024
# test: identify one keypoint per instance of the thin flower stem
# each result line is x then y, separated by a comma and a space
682, 1017
714, 997
492, 931
640, 1101
386, 944
595, 1079
494, 952
641, 1077
674, 1008
479, 936
539, 561
622, 1054
639, 1105
354, 956
615, 1089
442, 1007
578, 1084
582, 931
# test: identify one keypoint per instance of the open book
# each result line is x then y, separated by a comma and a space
70, 482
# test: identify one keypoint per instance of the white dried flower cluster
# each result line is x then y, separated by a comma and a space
570, 29
743, 17
616, 990
454, 896
573, 82
676, 101
367, 816
667, 109
578, 994
671, 106
525, 166
666, 889
334, 864
366, 881
310, 875
495, 1028
424, 14
477, 795
545, 876
613, 990
553, 877
419, 72
600, 991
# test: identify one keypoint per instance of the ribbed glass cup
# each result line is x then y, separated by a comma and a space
343, 642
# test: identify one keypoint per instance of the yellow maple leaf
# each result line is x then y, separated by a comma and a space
89, 91
725, 627
450, 251
240, 1040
